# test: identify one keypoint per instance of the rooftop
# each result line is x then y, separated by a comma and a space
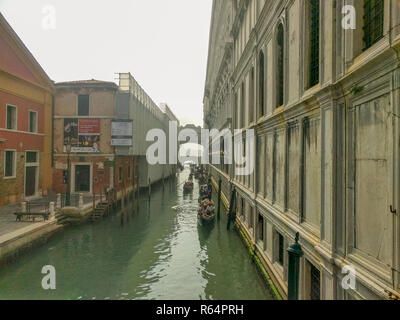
92, 83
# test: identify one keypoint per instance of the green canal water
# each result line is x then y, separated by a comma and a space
154, 253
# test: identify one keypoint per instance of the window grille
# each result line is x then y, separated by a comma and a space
314, 41
281, 250
373, 22
315, 283
280, 61
261, 83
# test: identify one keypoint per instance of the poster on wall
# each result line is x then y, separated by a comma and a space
121, 133
83, 134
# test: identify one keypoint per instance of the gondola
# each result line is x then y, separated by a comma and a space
202, 178
204, 193
188, 186
206, 212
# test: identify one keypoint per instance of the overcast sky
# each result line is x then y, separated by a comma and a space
163, 43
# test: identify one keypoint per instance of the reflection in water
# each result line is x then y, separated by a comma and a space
154, 252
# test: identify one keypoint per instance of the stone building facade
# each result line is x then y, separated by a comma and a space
323, 100
83, 116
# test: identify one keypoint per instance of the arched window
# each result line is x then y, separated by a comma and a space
261, 83
280, 51
251, 96
243, 106
373, 22
237, 111
314, 9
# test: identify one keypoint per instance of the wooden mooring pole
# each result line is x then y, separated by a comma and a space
219, 199
231, 204
149, 188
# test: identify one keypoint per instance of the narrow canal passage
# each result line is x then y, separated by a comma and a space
155, 253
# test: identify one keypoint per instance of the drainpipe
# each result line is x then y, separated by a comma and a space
52, 129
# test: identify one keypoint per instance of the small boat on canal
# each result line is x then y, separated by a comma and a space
188, 186
202, 178
204, 193
206, 212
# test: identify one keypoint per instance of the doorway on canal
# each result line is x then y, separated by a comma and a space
155, 252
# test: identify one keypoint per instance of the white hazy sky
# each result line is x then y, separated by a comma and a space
163, 43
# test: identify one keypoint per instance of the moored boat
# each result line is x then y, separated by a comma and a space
188, 186
202, 178
206, 212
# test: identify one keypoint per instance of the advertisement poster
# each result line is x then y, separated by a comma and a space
83, 134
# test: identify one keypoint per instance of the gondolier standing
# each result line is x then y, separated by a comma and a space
209, 189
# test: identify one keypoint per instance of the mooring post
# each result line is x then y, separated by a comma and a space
58, 203
231, 204
123, 201
81, 200
295, 253
52, 210
23, 207
219, 198
149, 188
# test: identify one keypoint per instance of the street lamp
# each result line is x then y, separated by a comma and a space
295, 253
68, 194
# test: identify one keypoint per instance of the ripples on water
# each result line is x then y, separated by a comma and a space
156, 253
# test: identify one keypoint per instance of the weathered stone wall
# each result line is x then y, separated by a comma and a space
327, 162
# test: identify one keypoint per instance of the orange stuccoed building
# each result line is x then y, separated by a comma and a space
26, 102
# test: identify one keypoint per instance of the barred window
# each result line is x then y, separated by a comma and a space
280, 61
261, 81
314, 7
251, 96
10, 164
281, 249
315, 283
373, 22
243, 107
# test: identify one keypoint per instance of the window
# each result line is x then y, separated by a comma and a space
251, 96
281, 249
10, 160
373, 22
237, 111
83, 105
315, 283
11, 118
314, 42
31, 157
243, 106
280, 65
260, 228
32, 121
261, 82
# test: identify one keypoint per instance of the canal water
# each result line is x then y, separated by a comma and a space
154, 253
